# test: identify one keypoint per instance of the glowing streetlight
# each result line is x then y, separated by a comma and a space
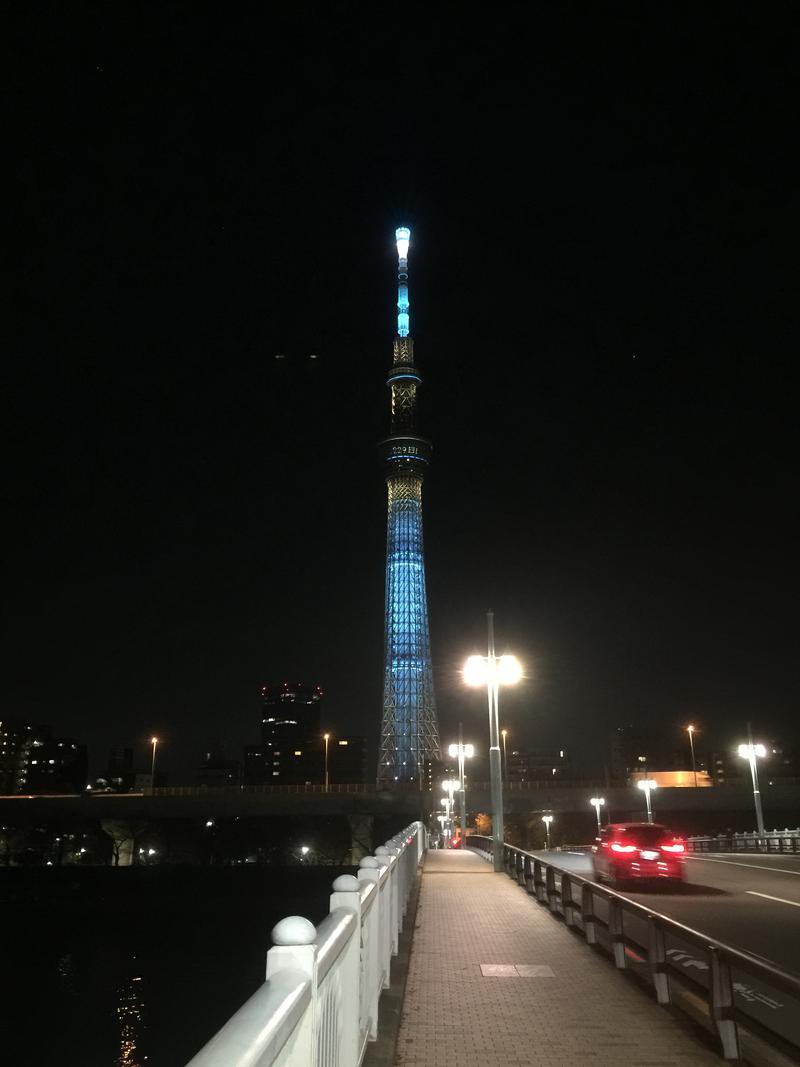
463, 752
751, 752
327, 738
598, 802
547, 819
450, 786
153, 742
493, 671
647, 785
504, 735
690, 732
304, 851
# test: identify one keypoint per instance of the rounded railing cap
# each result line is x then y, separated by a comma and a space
346, 883
294, 930
370, 863
381, 850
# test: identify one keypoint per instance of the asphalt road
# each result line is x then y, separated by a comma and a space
752, 902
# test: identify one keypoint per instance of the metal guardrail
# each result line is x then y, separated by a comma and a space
773, 841
724, 988
319, 1004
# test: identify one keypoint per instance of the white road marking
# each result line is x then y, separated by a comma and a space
753, 893
753, 866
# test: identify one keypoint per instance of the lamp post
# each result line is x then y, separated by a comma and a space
450, 786
647, 785
690, 731
504, 735
153, 742
751, 752
493, 672
463, 752
547, 819
446, 802
598, 802
327, 738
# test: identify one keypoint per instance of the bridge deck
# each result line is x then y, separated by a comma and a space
586, 1012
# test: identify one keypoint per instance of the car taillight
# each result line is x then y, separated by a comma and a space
677, 846
617, 847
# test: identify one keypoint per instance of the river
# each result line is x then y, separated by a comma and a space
137, 967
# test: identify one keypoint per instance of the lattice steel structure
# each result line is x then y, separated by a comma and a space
410, 728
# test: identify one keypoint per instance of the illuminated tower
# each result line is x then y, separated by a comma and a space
410, 728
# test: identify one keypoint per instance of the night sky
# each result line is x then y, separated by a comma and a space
603, 210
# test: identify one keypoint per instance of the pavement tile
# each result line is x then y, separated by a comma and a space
470, 918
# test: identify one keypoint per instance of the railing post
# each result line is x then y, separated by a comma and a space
723, 1010
370, 870
520, 869
538, 881
347, 894
550, 888
372, 971
389, 856
527, 875
587, 914
657, 958
615, 931
294, 949
567, 903
397, 896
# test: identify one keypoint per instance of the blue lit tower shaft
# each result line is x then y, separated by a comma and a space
410, 728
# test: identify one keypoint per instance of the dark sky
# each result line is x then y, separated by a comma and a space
603, 201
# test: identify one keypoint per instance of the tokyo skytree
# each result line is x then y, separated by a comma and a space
410, 728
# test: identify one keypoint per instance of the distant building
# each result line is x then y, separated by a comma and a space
55, 764
15, 742
347, 760
537, 764
120, 774
291, 725
217, 772
635, 748
684, 779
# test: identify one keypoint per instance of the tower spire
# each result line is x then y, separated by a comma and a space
409, 727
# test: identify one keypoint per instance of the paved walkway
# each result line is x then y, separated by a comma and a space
562, 1005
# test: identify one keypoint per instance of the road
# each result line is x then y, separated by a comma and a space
752, 902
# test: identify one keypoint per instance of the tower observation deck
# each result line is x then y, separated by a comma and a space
410, 728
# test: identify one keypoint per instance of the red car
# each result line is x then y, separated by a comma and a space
635, 851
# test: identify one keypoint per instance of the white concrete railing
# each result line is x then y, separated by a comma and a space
319, 1004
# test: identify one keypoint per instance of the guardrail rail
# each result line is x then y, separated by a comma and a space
773, 841
752, 1005
319, 1003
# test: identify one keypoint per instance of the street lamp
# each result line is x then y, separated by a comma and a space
547, 819
153, 742
450, 786
751, 752
647, 785
598, 802
446, 803
690, 731
463, 752
327, 738
504, 735
493, 672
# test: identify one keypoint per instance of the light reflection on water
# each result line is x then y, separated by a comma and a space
130, 1014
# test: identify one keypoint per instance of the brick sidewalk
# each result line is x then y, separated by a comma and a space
584, 1012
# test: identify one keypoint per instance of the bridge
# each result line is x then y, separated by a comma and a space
537, 964
364, 813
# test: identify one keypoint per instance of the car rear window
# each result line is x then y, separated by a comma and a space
646, 835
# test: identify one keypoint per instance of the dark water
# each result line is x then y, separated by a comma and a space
139, 966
